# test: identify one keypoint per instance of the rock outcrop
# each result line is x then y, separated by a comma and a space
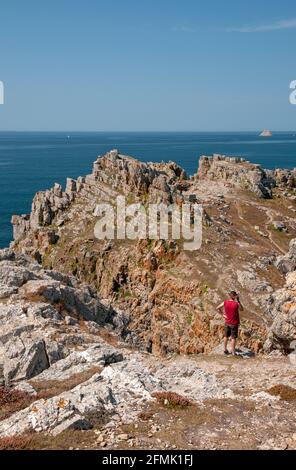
238, 172
52, 331
285, 178
35, 307
90, 329
166, 297
287, 263
112, 174
282, 332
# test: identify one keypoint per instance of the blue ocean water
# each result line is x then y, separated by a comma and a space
33, 161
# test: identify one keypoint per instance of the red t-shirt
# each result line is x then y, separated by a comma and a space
231, 309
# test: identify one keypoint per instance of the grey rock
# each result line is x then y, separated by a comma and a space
237, 172
292, 358
241, 351
186, 378
31, 363
287, 263
76, 422
70, 321
26, 387
81, 361
56, 351
113, 390
283, 311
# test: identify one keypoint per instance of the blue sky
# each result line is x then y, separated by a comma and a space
147, 65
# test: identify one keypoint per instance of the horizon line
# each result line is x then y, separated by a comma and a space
142, 131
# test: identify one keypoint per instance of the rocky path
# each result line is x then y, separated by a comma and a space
218, 403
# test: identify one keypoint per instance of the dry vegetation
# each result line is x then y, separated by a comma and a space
50, 388
283, 391
171, 399
12, 401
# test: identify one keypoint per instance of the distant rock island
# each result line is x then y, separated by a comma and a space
266, 133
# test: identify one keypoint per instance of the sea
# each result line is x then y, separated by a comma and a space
34, 161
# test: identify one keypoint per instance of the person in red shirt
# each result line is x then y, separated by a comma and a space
231, 309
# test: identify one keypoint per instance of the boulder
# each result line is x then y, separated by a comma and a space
28, 363
287, 263
237, 172
292, 358
283, 311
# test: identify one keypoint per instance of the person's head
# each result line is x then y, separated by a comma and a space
233, 295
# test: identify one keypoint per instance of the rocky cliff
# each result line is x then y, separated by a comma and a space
237, 172
80, 315
69, 378
170, 294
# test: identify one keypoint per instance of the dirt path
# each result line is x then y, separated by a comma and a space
269, 213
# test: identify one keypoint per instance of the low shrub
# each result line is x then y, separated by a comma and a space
283, 391
12, 400
15, 442
172, 399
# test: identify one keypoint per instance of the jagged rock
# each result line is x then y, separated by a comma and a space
26, 387
56, 351
285, 178
80, 361
160, 181
34, 312
29, 363
186, 378
236, 171
114, 389
21, 225
77, 302
283, 311
292, 358
251, 281
46, 415
287, 263
151, 283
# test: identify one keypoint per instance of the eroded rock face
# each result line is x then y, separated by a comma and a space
112, 174
121, 388
285, 178
26, 361
238, 172
283, 305
166, 297
56, 331
287, 263
34, 307
283, 310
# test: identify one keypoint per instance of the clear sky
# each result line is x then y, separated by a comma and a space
147, 64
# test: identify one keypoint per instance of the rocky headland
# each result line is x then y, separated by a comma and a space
103, 341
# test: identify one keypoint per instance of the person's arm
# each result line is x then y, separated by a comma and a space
240, 304
220, 308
